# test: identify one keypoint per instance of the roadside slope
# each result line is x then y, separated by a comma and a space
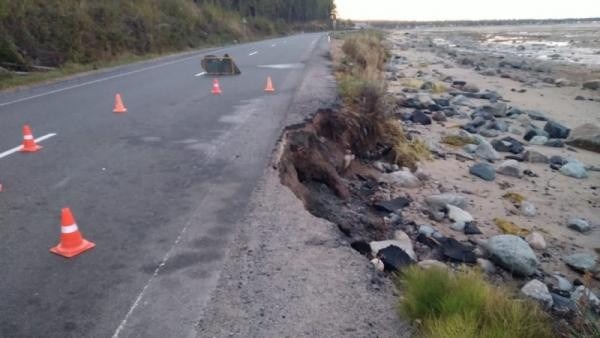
290, 274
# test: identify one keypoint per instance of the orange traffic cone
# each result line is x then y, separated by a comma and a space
29, 145
72, 242
269, 87
216, 90
119, 106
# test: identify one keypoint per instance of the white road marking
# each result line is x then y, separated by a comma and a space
116, 76
200, 74
154, 275
274, 45
284, 66
253, 53
16, 149
328, 38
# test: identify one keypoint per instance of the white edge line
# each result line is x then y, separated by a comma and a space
100, 80
200, 74
253, 53
16, 149
154, 275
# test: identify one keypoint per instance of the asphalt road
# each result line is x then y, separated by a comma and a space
158, 189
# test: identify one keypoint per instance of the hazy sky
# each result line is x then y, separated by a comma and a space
466, 9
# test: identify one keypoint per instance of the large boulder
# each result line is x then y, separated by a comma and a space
574, 169
586, 136
593, 85
538, 291
556, 130
582, 261
484, 171
486, 151
403, 178
513, 254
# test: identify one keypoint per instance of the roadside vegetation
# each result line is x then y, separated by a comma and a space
463, 305
44, 39
362, 87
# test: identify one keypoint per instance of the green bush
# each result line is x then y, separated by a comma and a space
464, 305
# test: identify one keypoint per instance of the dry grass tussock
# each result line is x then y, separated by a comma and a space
463, 305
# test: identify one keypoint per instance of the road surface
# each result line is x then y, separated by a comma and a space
158, 189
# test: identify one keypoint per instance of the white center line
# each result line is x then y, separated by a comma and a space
116, 76
16, 149
253, 53
200, 74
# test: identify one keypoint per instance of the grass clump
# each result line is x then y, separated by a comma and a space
510, 228
464, 305
363, 89
458, 140
514, 197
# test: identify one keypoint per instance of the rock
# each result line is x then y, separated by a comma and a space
425, 100
555, 143
405, 245
538, 291
513, 254
556, 130
558, 161
533, 132
378, 264
459, 216
489, 133
439, 202
439, 116
563, 283
586, 136
536, 115
431, 263
403, 178
574, 169
470, 148
471, 229
426, 230
484, 171
528, 209
539, 140
510, 168
515, 130
579, 225
419, 117
455, 251
592, 85
585, 293
392, 205
536, 241
497, 109
579, 98
487, 266
582, 261
508, 145
422, 175
563, 306
486, 151
470, 88
362, 247
394, 258
533, 156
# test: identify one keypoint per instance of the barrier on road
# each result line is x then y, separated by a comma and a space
72, 242
119, 106
216, 90
29, 145
269, 88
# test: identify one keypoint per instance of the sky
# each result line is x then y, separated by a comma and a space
425, 10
